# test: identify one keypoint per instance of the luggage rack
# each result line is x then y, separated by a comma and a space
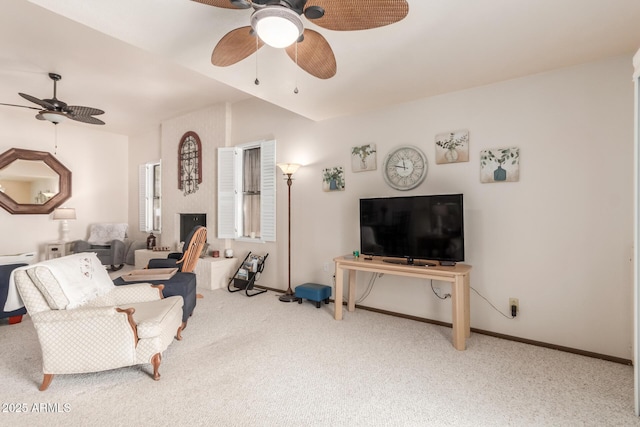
247, 274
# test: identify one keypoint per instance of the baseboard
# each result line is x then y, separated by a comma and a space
489, 333
506, 337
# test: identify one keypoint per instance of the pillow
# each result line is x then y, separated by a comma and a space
103, 234
48, 287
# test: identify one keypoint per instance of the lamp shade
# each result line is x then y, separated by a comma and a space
277, 26
289, 168
64, 213
52, 116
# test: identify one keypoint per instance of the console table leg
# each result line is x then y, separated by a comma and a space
458, 318
467, 305
352, 290
337, 314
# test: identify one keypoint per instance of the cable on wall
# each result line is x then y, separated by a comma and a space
369, 288
489, 302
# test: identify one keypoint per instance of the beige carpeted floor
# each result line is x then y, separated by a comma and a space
260, 362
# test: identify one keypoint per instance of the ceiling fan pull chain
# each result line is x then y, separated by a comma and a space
296, 88
55, 148
256, 81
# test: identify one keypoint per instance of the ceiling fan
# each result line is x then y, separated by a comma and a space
278, 23
56, 111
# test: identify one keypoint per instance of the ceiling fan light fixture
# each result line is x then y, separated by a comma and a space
52, 116
277, 26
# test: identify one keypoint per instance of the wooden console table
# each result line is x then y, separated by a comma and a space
457, 275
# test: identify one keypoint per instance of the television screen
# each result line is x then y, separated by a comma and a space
417, 227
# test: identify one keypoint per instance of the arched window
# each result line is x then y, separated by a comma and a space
189, 163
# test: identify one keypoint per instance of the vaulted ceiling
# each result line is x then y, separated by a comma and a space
143, 61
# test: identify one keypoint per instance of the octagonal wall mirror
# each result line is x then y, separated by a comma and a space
32, 182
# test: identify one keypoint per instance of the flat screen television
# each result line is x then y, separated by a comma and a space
413, 228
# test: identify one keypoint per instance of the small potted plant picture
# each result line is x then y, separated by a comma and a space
453, 147
507, 159
363, 158
333, 179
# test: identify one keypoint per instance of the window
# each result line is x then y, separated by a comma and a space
246, 191
150, 197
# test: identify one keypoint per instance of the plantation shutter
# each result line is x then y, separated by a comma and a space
268, 191
142, 198
228, 168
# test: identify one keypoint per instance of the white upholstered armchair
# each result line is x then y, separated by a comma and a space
86, 324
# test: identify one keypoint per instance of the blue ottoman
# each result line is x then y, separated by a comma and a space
313, 292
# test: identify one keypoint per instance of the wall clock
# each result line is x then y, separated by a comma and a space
405, 167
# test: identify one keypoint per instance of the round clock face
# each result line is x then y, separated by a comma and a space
405, 167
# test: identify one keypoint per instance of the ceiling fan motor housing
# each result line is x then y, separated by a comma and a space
268, 24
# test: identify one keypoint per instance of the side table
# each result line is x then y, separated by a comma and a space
57, 249
214, 273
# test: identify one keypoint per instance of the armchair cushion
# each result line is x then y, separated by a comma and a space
49, 287
149, 316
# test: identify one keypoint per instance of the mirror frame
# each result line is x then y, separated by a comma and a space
64, 193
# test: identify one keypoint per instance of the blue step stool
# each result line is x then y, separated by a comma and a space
313, 292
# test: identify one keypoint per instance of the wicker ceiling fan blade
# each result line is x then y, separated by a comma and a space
21, 106
44, 104
85, 119
341, 15
315, 56
79, 110
234, 47
227, 4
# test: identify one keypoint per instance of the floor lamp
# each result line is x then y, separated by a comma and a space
289, 169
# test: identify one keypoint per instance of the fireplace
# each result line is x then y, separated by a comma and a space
188, 221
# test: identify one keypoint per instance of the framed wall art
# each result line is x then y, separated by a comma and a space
452, 147
189, 163
363, 158
500, 165
333, 179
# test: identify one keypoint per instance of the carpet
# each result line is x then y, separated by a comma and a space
261, 362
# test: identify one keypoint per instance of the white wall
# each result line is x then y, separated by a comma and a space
560, 239
211, 125
98, 163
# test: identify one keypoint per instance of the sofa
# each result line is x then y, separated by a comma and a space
15, 316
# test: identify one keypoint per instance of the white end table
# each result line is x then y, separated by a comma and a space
57, 249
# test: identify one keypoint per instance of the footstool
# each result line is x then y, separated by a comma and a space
313, 292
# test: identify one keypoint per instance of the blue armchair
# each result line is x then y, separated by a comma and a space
185, 261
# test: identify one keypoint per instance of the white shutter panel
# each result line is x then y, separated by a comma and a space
227, 194
142, 198
268, 191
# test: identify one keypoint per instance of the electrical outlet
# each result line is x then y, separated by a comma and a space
514, 302
325, 267
436, 289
